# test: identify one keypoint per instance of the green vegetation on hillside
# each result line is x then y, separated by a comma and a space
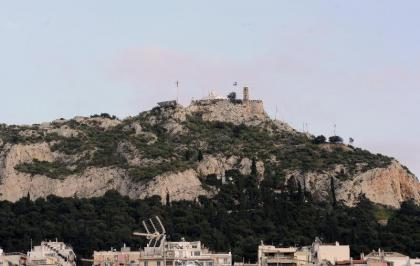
236, 220
55, 170
163, 151
243, 212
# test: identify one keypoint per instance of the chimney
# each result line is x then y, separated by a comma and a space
246, 94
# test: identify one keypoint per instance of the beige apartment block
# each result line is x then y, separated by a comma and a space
278, 256
51, 253
12, 259
390, 258
181, 253
324, 253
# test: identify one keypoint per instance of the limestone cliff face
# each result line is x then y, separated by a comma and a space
91, 183
219, 164
388, 186
179, 186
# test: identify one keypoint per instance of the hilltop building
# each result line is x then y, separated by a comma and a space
237, 111
246, 94
213, 96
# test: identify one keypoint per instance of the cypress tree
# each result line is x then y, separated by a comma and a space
332, 187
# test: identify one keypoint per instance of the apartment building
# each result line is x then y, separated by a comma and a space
182, 253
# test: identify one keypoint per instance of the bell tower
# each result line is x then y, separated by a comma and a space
246, 94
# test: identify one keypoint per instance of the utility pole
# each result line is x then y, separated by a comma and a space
177, 91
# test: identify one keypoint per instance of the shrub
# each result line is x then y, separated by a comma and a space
53, 170
104, 115
232, 96
335, 139
319, 139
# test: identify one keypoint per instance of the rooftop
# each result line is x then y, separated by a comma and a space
381, 253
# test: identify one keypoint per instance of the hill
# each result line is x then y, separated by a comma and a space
182, 151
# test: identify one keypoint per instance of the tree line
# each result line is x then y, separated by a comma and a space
243, 213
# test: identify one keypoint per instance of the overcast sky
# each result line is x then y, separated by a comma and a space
355, 64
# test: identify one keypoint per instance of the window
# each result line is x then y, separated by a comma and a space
145, 263
158, 263
196, 253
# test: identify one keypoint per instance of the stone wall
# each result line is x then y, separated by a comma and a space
249, 113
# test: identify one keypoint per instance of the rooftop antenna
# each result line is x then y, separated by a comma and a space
155, 232
177, 91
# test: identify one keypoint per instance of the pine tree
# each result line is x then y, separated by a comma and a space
332, 187
254, 167
168, 201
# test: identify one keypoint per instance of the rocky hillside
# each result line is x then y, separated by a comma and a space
180, 152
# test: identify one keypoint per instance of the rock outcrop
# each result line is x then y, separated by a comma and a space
249, 113
90, 183
178, 186
388, 186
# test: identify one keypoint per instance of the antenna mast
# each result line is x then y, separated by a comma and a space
177, 91
155, 232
